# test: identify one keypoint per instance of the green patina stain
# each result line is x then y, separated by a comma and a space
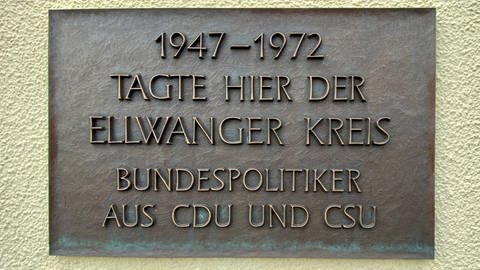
121, 247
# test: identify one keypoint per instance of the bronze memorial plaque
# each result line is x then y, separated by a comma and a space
242, 132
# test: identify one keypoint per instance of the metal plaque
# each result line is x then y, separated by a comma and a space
242, 132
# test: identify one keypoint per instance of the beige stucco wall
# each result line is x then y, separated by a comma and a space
24, 141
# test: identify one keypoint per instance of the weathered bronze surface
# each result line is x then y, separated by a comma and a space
393, 50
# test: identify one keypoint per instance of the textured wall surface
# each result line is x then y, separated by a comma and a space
24, 141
